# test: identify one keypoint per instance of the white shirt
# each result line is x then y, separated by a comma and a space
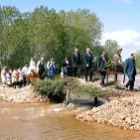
3, 76
24, 70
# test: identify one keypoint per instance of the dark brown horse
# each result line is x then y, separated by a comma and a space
114, 71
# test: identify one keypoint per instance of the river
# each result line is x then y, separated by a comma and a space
39, 122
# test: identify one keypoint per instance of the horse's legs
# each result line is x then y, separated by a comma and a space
107, 77
116, 77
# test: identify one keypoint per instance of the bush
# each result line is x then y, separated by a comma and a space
88, 91
56, 89
51, 88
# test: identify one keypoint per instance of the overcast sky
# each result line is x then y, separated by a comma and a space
121, 18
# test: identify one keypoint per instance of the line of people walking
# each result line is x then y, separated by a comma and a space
129, 69
71, 66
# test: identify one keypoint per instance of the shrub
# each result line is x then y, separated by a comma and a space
88, 91
56, 89
51, 88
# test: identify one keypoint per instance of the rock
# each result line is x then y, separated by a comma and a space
22, 95
70, 106
121, 112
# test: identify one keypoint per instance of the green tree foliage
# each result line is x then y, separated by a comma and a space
111, 47
138, 62
85, 27
8, 16
45, 32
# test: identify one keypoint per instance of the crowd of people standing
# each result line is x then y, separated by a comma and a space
70, 66
21, 76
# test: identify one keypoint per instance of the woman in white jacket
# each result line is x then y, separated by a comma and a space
3, 76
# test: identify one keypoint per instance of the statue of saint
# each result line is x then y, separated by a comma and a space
32, 67
117, 57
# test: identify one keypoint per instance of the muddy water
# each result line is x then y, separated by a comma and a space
39, 122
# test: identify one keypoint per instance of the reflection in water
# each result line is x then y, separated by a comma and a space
37, 122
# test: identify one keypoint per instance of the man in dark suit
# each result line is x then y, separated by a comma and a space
76, 63
88, 59
41, 67
130, 70
101, 67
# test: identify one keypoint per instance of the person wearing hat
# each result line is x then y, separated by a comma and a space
117, 57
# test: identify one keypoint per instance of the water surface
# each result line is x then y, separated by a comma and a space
38, 122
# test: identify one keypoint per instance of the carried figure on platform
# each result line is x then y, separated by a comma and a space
117, 57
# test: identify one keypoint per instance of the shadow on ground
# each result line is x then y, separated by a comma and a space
89, 102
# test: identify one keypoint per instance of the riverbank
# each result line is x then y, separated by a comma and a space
77, 88
120, 108
120, 112
21, 95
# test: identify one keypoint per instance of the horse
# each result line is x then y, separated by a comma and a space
117, 68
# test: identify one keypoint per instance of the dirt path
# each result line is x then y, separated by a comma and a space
114, 90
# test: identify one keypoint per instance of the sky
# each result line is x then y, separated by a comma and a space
121, 18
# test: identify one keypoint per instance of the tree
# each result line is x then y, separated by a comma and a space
138, 61
111, 47
8, 15
84, 20
44, 32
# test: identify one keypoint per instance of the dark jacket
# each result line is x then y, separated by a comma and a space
41, 68
101, 63
64, 64
76, 59
66, 68
130, 67
88, 59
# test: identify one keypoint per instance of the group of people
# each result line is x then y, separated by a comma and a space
21, 76
71, 66
129, 68
17, 77
46, 69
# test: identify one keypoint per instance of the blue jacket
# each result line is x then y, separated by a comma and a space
130, 67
